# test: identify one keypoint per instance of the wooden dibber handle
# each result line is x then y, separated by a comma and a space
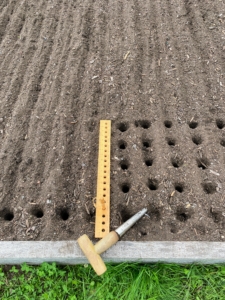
104, 244
92, 251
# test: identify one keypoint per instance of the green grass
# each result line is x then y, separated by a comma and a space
122, 281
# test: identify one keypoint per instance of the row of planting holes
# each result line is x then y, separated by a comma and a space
168, 124
175, 161
208, 187
202, 163
37, 212
153, 186
197, 139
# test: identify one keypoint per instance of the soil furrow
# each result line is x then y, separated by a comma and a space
207, 37
26, 40
14, 22
47, 129
67, 182
202, 45
25, 104
3, 4
16, 73
5, 18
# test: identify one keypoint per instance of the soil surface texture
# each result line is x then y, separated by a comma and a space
157, 70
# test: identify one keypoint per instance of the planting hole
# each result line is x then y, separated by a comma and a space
203, 163
179, 187
182, 217
209, 187
122, 144
125, 187
168, 124
182, 214
146, 143
222, 142
193, 124
197, 139
7, 214
64, 214
171, 142
143, 123
220, 123
149, 162
124, 213
216, 215
143, 232
122, 127
177, 162
153, 184
37, 212
124, 164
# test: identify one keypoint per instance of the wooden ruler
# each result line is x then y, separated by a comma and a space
102, 220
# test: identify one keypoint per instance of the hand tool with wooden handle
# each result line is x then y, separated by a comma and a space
92, 251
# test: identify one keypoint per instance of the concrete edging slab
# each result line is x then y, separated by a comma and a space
68, 252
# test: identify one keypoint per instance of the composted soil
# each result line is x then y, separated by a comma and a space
156, 69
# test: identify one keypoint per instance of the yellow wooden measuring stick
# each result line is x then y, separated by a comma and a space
102, 219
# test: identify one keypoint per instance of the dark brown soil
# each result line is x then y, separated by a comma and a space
156, 69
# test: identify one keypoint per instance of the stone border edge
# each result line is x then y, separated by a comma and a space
68, 252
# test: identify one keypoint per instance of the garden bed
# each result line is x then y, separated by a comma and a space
157, 71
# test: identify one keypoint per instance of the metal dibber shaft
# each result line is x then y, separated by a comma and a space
129, 223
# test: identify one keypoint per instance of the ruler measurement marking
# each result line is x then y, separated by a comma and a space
102, 222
